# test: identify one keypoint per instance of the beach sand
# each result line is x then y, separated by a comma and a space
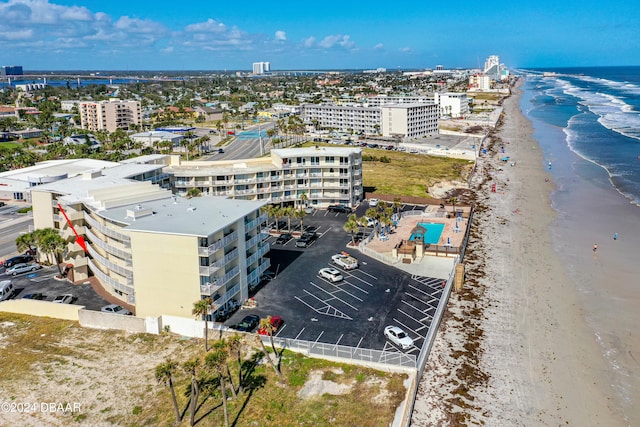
514, 348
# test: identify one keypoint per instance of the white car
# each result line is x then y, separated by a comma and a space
116, 309
398, 337
373, 202
22, 268
331, 274
64, 299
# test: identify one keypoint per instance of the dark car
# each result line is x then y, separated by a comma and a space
18, 260
248, 323
283, 238
37, 295
305, 240
339, 208
220, 151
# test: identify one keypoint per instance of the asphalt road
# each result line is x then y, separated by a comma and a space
246, 144
12, 224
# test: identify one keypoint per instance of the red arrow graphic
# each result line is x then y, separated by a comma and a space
79, 239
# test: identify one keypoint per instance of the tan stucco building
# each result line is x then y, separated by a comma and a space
151, 249
109, 115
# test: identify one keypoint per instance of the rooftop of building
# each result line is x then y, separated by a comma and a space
310, 151
50, 168
199, 216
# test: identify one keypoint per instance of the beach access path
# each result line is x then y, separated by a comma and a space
514, 348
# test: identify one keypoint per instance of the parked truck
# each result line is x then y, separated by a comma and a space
345, 261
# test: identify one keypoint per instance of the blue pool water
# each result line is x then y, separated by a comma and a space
433, 233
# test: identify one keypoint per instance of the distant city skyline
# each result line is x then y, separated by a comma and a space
204, 35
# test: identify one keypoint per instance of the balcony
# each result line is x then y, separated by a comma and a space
107, 231
209, 289
256, 222
111, 266
256, 256
226, 297
105, 278
108, 248
208, 270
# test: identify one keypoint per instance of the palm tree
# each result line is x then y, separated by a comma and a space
222, 345
216, 361
26, 242
397, 204
264, 323
299, 214
201, 309
288, 212
194, 192
235, 347
164, 374
268, 327
352, 227
191, 367
49, 242
304, 199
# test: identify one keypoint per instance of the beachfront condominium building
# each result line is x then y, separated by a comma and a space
150, 248
380, 100
344, 118
409, 121
324, 175
452, 104
109, 115
261, 67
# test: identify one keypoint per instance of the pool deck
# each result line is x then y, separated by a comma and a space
432, 213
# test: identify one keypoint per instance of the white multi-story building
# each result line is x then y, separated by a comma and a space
409, 121
345, 118
325, 175
151, 249
109, 115
452, 104
261, 67
494, 69
380, 100
479, 82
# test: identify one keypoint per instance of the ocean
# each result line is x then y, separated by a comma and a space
587, 122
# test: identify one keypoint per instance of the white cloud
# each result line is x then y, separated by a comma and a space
210, 26
336, 40
405, 49
16, 35
379, 46
309, 42
281, 35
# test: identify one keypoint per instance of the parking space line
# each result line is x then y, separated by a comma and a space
322, 234
406, 327
358, 288
421, 291
333, 296
412, 306
299, 333
324, 309
359, 342
431, 303
280, 330
337, 342
362, 280
316, 341
367, 274
415, 320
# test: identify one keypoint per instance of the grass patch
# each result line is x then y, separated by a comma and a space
408, 174
39, 352
25, 209
405, 174
10, 145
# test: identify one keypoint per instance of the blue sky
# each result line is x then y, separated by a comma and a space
323, 34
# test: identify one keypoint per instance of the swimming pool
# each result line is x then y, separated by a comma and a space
433, 233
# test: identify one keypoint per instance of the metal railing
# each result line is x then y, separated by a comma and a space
107, 247
226, 297
346, 352
127, 289
109, 264
107, 231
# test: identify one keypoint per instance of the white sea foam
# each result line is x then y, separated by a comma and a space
622, 86
612, 111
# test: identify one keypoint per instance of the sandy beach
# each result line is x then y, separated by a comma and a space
515, 348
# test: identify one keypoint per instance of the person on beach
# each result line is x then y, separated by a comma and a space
615, 236
595, 248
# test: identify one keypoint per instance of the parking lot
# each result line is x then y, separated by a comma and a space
351, 312
42, 281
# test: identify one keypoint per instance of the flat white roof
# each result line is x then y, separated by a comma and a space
71, 167
311, 151
199, 216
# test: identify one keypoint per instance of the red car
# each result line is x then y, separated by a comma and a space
276, 323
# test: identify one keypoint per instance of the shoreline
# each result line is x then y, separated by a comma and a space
514, 347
